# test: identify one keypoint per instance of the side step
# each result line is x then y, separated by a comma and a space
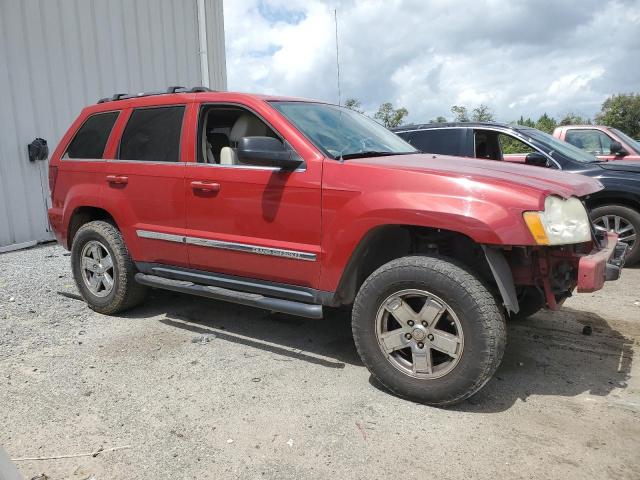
251, 299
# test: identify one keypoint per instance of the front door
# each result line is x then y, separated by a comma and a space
248, 220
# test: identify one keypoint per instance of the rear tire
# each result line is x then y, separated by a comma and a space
629, 218
103, 270
459, 324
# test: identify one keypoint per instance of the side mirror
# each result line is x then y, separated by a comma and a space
38, 150
617, 149
536, 159
267, 151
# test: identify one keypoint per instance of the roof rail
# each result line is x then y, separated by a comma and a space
169, 90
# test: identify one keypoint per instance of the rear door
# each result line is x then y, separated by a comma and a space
145, 183
248, 220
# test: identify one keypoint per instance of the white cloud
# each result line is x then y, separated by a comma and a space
520, 58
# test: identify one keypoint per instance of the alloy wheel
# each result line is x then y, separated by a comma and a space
97, 268
620, 225
419, 334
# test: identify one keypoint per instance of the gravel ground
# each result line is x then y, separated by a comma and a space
202, 389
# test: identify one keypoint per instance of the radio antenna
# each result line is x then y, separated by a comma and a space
335, 16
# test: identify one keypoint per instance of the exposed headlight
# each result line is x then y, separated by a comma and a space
561, 222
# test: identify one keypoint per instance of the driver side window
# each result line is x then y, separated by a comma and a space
220, 129
593, 141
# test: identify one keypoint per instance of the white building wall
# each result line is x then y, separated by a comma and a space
57, 56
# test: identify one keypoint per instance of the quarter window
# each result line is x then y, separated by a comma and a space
592, 141
153, 135
92, 136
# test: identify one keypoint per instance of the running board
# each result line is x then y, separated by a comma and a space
250, 299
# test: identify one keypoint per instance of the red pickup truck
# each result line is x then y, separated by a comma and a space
297, 206
606, 143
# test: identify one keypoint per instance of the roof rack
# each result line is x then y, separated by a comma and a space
169, 90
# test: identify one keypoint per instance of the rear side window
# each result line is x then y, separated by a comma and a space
92, 136
443, 141
153, 135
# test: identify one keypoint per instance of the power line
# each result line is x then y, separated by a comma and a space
335, 16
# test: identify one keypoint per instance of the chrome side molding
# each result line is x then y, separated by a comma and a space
234, 246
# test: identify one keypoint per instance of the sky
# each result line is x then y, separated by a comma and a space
518, 57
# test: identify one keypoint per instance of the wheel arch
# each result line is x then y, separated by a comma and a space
385, 243
624, 199
83, 215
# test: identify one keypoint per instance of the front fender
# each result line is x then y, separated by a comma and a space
347, 221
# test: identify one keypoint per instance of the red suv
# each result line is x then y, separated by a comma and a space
294, 206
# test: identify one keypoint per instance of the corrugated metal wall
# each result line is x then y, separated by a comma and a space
56, 56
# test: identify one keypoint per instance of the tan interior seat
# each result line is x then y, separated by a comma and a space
246, 125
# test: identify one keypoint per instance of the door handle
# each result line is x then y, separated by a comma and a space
205, 186
118, 179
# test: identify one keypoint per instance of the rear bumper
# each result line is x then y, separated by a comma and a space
601, 265
56, 222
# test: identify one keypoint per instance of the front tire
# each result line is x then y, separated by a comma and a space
625, 222
428, 330
103, 270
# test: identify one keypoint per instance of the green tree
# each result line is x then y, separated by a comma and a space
482, 113
460, 113
353, 104
546, 123
527, 123
574, 119
622, 112
438, 119
391, 117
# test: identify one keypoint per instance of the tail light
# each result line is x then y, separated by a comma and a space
53, 176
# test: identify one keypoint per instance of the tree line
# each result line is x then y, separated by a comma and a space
620, 111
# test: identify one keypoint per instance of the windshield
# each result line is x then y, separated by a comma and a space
628, 140
342, 133
554, 146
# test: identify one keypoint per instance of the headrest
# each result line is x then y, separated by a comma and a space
247, 126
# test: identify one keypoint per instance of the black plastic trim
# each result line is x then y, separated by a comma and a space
503, 277
242, 284
243, 298
169, 90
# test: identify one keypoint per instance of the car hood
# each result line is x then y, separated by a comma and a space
536, 178
621, 166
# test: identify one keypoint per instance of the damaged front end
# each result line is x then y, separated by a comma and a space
556, 271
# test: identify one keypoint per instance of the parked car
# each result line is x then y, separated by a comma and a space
296, 206
615, 208
606, 143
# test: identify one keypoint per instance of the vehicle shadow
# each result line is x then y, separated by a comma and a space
327, 342
547, 354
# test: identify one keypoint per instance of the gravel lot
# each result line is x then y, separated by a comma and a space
202, 389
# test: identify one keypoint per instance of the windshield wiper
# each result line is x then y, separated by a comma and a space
371, 153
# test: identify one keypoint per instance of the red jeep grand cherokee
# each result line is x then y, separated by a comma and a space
292, 205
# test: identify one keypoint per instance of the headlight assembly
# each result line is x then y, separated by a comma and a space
561, 222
